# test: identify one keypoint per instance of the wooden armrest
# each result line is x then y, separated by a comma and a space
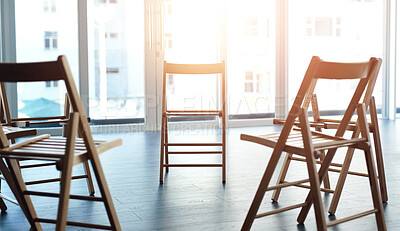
109, 145
26, 142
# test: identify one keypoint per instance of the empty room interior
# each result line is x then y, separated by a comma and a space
147, 115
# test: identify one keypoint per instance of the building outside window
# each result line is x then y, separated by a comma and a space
251, 26
323, 26
49, 6
50, 40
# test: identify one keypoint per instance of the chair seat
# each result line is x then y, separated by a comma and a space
294, 143
45, 147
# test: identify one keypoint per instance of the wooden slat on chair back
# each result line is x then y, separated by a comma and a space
332, 70
28, 72
215, 68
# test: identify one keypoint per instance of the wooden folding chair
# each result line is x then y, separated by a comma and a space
342, 168
192, 69
10, 122
310, 144
65, 151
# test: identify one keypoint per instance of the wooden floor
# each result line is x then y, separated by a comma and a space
195, 199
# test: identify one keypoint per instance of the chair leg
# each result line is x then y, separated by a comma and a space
378, 150
327, 184
376, 195
255, 205
3, 206
86, 168
166, 142
381, 169
66, 175
223, 150
162, 150
15, 182
315, 191
340, 183
105, 192
282, 175
89, 180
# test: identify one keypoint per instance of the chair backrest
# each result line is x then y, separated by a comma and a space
5, 114
49, 71
365, 72
174, 68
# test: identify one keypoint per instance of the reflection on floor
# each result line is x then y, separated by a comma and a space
195, 199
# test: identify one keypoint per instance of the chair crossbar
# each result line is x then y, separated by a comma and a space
37, 165
358, 215
193, 144
192, 165
8, 199
194, 114
192, 152
76, 197
287, 184
54, 180
308, 187
74, 223
193, 111
332, 169
280, 210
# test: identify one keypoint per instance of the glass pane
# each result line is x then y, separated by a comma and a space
191, 35
116, 59
251, 58
346, 31
44, 30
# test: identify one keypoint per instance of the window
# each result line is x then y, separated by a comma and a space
168, 40
255, 82
250, 26
251, 54
114, 35
171, 85
109, 1
243, 34
248, 83
112, 70
323, 26
48, 83
40, 28
116, 60
168, 6
190, 35
50, 40
326, 30
49, 6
